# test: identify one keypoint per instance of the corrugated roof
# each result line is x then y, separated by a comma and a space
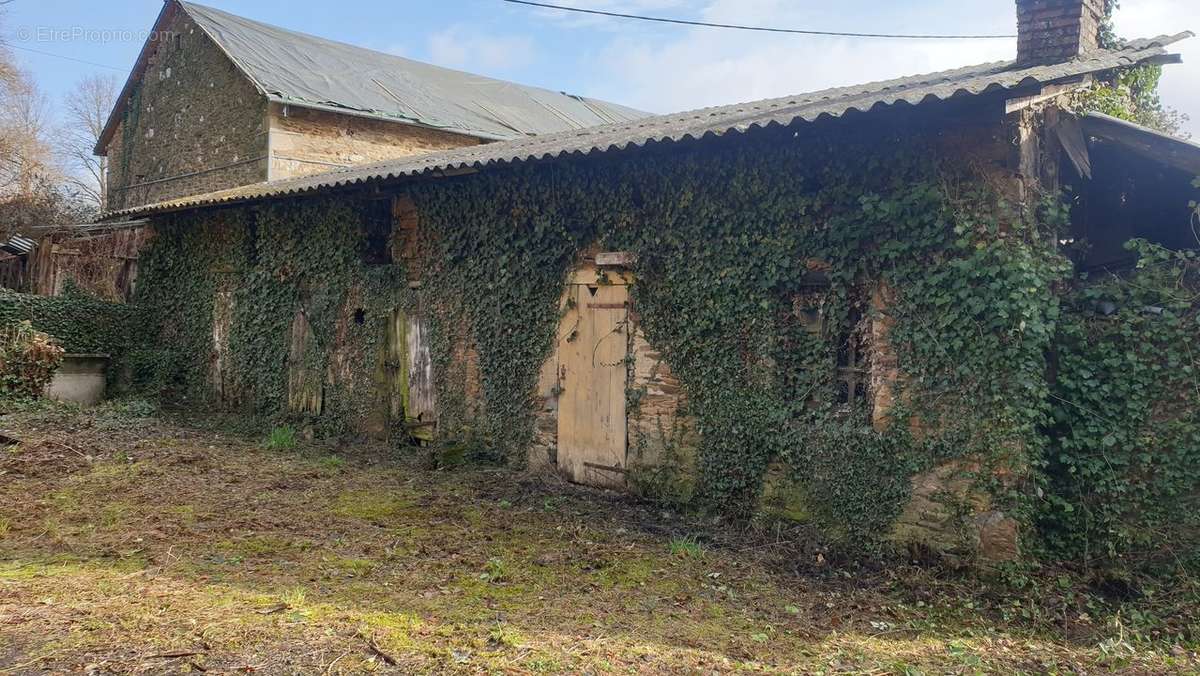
309, 71
1149, 143
717, 121
18, 245
306, 70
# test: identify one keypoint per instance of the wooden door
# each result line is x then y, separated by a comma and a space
420, 410
593, 344
405, 380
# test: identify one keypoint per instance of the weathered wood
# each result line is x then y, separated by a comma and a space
616, 259
592, 349
305, 384
1147, 143
1047, 93
422, 400
103, 263
220, 371
1070, 136
588, 274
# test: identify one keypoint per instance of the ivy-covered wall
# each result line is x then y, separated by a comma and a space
728, 234
1124, 437
80, 323
261, 273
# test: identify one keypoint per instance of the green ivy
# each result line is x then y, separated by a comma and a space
82, 324
273, 261
723, 241
727, 237
1125, 437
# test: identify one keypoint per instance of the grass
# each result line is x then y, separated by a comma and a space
686, 547
495, 571
281, 439
176, 540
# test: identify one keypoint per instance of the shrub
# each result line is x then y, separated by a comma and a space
28, 359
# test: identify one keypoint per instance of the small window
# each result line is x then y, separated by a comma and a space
376, 234
851, 367
808, 303
853, 370
178, 40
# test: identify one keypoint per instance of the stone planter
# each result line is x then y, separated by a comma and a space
80, 379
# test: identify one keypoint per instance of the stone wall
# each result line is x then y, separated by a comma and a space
306, 141
193, 124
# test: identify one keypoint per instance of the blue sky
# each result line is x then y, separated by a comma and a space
653, 67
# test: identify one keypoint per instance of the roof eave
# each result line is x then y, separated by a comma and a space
689, 125
383, 117
1144, 141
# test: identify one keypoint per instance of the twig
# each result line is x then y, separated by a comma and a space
329, 669
382, 655
339, 658
69, 448
173, 655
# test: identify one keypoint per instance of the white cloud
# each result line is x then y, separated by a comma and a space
469, 49
702, 67
667, 69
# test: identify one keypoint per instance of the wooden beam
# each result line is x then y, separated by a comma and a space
1050, 91
616, 259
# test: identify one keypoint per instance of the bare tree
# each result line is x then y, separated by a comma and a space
86, 110
24, 127
31, 190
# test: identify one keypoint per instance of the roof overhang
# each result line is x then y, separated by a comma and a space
18, 245
1143, 141
1004, 80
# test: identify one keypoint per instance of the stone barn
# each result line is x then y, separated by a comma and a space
217, 101
835, 307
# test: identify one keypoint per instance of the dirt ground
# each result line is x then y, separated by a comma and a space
133, 545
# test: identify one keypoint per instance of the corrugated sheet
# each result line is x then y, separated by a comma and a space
305, 70
1155, 145
18, 245
970, 81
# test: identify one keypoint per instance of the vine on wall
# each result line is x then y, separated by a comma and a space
727, 238
1125, 438
274, 261
82, 324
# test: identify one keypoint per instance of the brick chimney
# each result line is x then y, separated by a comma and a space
1054, 31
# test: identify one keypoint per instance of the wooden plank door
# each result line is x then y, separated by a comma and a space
420, 410
593, 344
